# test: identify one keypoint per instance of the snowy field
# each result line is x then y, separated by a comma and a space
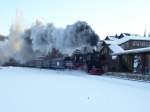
39, 90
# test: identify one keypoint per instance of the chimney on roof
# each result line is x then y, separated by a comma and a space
145, 32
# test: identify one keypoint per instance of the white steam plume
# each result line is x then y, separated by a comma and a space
15, 46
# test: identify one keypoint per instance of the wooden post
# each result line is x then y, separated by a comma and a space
132, 64
120, 63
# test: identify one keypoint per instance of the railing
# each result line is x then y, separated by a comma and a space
130, 76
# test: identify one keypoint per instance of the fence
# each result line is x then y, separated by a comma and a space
129, 76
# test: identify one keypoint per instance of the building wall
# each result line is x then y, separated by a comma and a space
108, 63
133, 44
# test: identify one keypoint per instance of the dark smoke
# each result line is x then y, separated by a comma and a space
82, 34
45, 37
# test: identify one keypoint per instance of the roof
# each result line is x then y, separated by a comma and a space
139, 50
129, 34
114, 45
112, 38
125, 39
109, 42
116, 48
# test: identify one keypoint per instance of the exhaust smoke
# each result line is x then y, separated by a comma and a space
41, 39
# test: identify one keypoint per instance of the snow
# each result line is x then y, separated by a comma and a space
116, 48
125, 39
111, 38
110, 41
39, 90
138, 50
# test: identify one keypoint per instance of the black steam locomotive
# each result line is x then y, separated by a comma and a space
91, 62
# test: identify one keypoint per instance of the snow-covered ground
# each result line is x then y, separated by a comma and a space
39, 90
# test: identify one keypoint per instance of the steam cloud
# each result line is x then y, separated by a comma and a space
23, 45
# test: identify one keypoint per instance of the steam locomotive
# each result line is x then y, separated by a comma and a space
89, 62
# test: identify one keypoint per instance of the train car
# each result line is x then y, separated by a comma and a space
90, 62
57, 63
78, 60
68, 63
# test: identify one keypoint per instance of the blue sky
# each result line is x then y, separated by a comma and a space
107, 17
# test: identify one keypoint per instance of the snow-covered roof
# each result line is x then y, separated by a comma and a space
116, 48
112, 38
129, 34
139, 50
109, 42
127, 38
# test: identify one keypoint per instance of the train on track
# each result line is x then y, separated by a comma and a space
89, 62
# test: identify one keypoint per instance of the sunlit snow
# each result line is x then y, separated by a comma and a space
40, 90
